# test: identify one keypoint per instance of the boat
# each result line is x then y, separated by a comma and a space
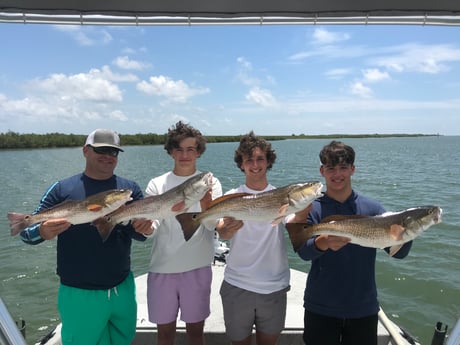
389, 333
10, 332
253, 12
146, 332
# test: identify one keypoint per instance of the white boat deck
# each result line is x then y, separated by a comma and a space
146, 333
214, 325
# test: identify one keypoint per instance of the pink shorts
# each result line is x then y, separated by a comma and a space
188, 291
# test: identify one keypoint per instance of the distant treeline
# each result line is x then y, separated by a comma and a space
12, 140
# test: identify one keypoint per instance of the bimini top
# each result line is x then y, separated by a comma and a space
189, 12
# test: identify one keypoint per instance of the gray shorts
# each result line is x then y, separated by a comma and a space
243, 309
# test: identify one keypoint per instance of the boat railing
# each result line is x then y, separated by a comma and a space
9, 331
454, 336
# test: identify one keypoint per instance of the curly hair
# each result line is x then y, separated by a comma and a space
336, 152
248, 143
180, 132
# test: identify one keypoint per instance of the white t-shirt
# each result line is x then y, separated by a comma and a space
258, 259
170, 252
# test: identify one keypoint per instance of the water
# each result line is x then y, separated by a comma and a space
400, 172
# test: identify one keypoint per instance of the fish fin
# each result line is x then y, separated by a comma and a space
277, 220
298, 234
281, 213
396, 232
94, 207
226, 197
104, 226
394, 249
188, 223
18, 222
283, 209
179, 206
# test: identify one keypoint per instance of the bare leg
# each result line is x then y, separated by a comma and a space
166, 333
195, 334
246, 341
266, 339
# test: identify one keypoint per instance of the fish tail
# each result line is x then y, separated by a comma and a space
18, 222
188, 223
297, 234
104, 226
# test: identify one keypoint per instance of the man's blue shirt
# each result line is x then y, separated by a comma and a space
83, 259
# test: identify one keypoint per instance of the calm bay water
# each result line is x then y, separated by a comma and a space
400, 172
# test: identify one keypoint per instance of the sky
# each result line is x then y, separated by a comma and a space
228, 80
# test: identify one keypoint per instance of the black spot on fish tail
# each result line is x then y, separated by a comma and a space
104, 227
298, 234
188, 223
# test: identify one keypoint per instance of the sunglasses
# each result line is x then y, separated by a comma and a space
105, 150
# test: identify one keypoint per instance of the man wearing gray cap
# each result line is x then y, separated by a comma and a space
96, 297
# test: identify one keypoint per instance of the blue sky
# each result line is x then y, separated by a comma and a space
228, 80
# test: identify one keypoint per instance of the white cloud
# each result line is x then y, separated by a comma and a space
373, 75
337, 73
244, 72
39, 110
61, 98
82, 86
431, 59
118, 115
244, 63
175, 91
124, 62
322, 36
261, 97
361, 90
106, 73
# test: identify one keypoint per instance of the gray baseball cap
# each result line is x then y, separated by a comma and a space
103, 138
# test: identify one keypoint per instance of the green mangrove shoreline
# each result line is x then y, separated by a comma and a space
13, 140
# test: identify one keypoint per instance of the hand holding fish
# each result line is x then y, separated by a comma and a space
73, 211
334, 243
161, 206
206, 200
391, 229
228, 226
49, 229
143, 226
271, 206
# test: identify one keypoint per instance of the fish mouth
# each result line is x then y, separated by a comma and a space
318, 190
209, 181
438, 216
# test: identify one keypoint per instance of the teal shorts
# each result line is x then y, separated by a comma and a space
98, 317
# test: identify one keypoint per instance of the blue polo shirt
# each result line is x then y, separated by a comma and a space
83, 260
